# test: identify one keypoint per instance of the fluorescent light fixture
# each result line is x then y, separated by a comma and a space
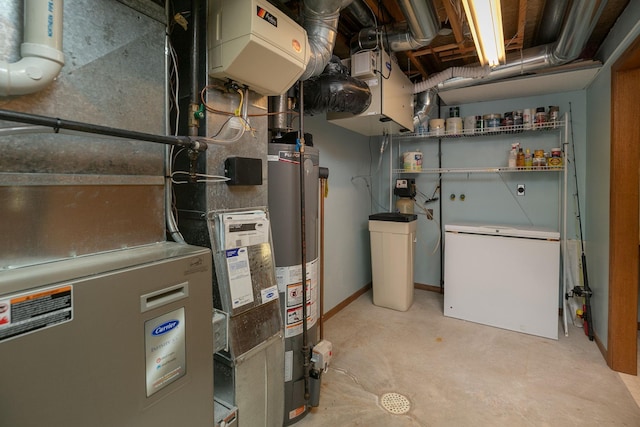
485, 21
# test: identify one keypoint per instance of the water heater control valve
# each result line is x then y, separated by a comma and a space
322, 353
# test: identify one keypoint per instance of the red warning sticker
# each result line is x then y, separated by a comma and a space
28, 312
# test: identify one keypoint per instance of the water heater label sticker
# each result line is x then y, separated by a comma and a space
27, 312
288, 365
165, 343
289, 157
290, 283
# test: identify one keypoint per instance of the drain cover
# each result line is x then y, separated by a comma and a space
395, 403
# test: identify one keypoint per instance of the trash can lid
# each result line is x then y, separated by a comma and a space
393, 216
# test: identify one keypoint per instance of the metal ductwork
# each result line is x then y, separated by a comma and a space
421, 28
424, 102
551, 21
422, 20
321, 22
572, 40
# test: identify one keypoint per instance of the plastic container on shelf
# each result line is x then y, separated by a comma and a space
412, 161
540, 118
528, 117
469, 125
454, 126
555, 160
436, 126
492, 121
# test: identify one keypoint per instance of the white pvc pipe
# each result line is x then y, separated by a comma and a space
41, 50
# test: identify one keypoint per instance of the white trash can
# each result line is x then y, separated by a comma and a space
393, 239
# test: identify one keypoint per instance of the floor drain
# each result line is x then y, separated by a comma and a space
395, 403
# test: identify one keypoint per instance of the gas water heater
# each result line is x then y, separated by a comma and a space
284, 207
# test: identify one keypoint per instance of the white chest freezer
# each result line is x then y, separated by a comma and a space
503, 276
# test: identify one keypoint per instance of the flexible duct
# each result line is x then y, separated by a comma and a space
321, 22
41, 50
334, 90
421, 28
423, 104
470, 73
579, 24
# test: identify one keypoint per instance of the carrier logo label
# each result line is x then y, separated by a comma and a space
262, 13
165, 327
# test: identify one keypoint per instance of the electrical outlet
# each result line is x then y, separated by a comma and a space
520, 190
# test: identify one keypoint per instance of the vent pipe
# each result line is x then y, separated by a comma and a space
551, 21
421, 28
578, 26
41, 50
321, 22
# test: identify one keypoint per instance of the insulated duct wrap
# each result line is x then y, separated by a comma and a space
336, 91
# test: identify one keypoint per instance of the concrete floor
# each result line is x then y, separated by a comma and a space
458, 373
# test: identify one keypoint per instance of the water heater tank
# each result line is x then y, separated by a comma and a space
254, 43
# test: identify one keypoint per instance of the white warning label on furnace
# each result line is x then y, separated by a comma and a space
32, 311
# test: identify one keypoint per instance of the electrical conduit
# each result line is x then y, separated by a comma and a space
41, 50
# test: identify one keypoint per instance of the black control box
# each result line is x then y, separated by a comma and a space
243, 171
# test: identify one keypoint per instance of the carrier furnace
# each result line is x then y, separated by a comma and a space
122, 338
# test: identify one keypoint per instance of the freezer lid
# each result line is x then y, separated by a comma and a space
504, 230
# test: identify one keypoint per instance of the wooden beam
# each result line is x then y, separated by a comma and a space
386, 12
430, 50
522, 18
455, 21
395, 11
417, 64
522, 21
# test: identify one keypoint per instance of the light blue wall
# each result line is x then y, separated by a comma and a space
347, 256
490, 198
626, 30
597, 206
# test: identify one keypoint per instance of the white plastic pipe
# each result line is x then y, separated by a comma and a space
41, 50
